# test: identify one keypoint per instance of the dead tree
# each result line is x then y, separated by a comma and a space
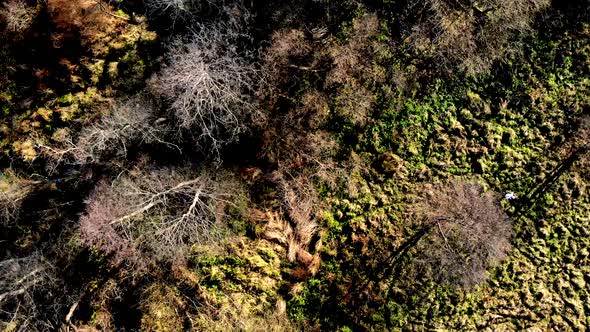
175, 9
23, 282
208, 84
467, 233
156, 214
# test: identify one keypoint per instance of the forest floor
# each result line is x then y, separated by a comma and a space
351, 125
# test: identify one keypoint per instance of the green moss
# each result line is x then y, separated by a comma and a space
511, 131
113, 71
96, 70
121, 13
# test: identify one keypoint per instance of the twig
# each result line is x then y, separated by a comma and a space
104, 10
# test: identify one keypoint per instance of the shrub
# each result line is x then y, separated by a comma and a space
13, 191
350, 58
354, 69
208, 84
469, 233
287, 47
469, 35
25, 286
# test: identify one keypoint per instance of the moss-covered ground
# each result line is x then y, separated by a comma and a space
512, 129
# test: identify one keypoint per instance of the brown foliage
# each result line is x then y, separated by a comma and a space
353, 69
296, 228
469, 232
88, 18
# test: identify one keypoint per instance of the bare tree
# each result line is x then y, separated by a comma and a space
22, 282
469, 232
187, 10
469, 35
208, 84
157, 213
286, 47
131, 122
175, 9
13, 191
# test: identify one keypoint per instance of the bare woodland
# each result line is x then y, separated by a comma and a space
129, 123
252, 128
155, 213
208, 84
23, 282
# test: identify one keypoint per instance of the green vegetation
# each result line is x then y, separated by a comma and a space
294, 166
511, 129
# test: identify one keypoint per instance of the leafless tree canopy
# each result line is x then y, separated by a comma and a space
173, 8
470, 232
157, 213
180, 9
21, 279
130, 122
470, 34
208, 84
